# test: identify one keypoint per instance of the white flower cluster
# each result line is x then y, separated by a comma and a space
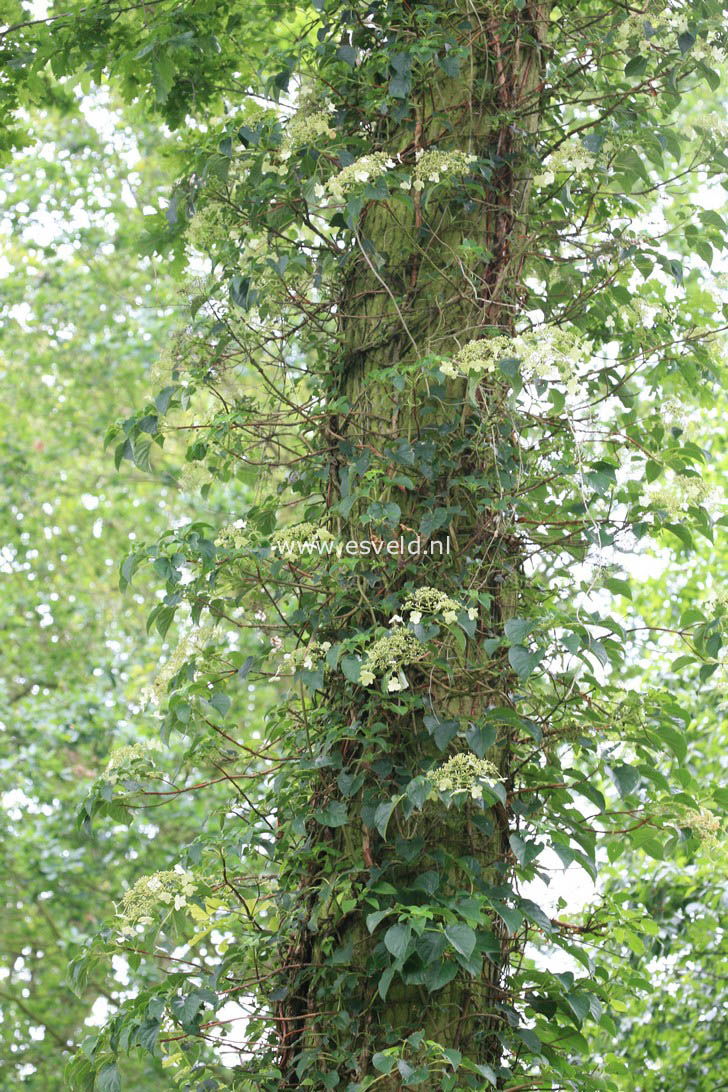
646, 312
181, 355
190, 645
713, 53
465, 773
388, 656
570, 158
683, 492
657, 25
216, 220
169, 890
362, 170
210, 225
432, 601
298, 534
478, 357
193, 476
431, 166
712, 125
704, 824
305, 129
123, 758
170, 362
675, 414
717, 600
550, 353
233, 536
309, 656
435, 166
611, 145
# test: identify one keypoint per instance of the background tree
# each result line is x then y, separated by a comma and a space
669, 1017
448, 287
82, 320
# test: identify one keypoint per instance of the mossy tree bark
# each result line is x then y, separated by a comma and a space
425, 280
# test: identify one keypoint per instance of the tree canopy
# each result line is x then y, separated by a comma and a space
362, 474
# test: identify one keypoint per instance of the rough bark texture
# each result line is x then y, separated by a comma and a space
411, 290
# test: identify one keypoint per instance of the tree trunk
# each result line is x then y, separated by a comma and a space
426, 280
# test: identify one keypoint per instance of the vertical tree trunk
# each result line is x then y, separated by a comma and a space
426, 282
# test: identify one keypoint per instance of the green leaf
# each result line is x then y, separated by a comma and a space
626, 778
397, 938
462, 938
147, 1035
348, 54
512, 919
312, 680
385, 981
335, 814
682, 661
534, 913
418, 790
439, 974
619, 587
163, 76
375, 917
351, 668
79, 1074
399, 86
384, 1062
579, 1005
530, 1039
108, 1079
450, 64
685, 41
676, 269
481, 738
220, 701
682, 533
675, 740
434, 520
442, 731
648, 842
486, 1071
524, 662
524, 852
517, 629
245, 667
164, 398
635, 67
383, 814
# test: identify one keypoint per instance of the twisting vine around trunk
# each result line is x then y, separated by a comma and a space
406, 297
438, 367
